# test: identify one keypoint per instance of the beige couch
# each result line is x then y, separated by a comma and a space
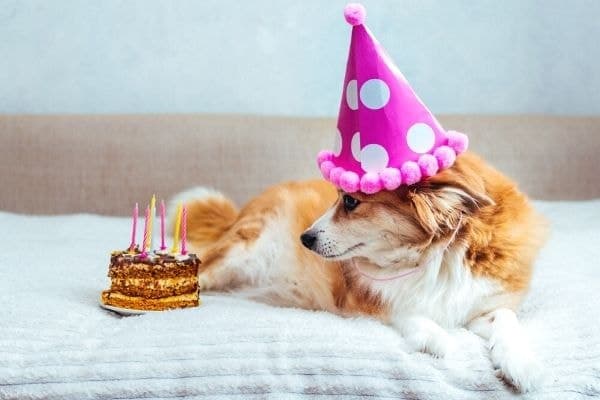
102, 164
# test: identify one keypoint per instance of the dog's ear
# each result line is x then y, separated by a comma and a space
441, 206
471, 198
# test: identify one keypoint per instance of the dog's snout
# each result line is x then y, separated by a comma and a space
308, 239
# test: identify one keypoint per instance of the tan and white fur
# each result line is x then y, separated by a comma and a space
455, 250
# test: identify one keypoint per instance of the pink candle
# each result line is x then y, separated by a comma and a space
134, 228
145, 242
163, 247
183, 230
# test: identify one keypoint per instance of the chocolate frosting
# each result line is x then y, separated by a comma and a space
124, 257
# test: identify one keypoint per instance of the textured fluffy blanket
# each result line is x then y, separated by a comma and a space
56, 343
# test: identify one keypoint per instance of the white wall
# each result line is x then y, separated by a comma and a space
288, 56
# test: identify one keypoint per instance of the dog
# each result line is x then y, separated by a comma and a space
455, 250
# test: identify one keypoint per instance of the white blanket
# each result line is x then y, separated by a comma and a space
56, 343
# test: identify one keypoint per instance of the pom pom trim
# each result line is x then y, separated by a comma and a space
391, 178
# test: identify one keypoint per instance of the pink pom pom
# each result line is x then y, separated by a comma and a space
349, 182
391, 178
355, 14
324, 155
370, 183
428, 165
326, 167
458, 141
445, 156
335, 175
411, 173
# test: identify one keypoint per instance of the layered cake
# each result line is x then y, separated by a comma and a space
152, 282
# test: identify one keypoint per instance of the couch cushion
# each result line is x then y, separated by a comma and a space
56, 343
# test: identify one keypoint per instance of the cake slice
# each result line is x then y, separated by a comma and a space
157, 281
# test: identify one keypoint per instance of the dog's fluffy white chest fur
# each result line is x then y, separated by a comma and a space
444, 290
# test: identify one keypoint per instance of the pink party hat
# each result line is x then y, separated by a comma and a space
386, 135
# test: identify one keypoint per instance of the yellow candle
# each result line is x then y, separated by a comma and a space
176, 230
152, 212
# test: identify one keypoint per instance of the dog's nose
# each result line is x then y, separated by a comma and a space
308, 239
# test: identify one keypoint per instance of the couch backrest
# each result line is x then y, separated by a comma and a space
103, 164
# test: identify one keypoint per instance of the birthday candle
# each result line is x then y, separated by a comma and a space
162, 225
152, 215
176, 230
134, 228
146, 223
184, 231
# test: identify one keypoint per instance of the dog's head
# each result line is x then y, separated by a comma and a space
396, 227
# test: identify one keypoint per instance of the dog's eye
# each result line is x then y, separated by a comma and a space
350, 203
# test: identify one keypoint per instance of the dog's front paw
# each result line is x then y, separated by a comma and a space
520, 370
422, 334
438, 345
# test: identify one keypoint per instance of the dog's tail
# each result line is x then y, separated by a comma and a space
209, 215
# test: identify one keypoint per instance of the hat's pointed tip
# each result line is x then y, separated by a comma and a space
355, 13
